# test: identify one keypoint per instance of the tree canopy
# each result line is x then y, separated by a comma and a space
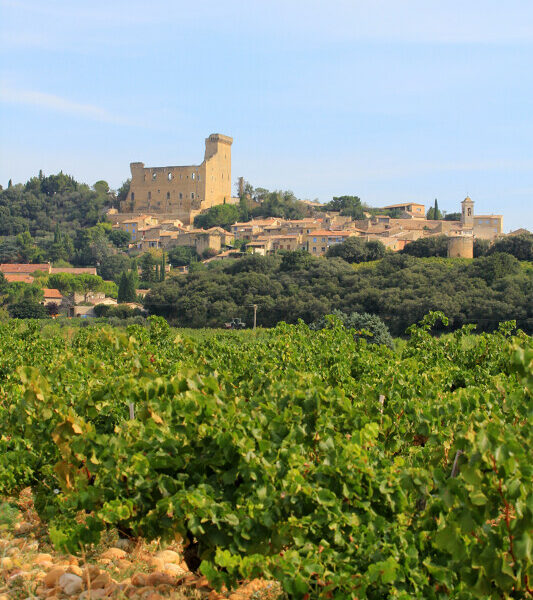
399, 288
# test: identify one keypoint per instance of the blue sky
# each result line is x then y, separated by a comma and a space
389, 100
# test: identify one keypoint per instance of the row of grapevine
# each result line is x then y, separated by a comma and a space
341, 469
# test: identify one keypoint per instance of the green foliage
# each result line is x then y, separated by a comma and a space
434, 214
519, 246
371, 327
181, 256
126, 287
222, 215
68, 283
436, 245
112, 266
119, 238
44, 202
123, 191
357, 250
341, 469
149, 273
119, 312
27, 309
350, 206
399, 289
283, 204
456, 216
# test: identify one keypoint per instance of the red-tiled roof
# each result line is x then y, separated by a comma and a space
24, 268
327, 232
12, 277
52, 293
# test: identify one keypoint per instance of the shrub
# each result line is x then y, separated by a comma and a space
363, 322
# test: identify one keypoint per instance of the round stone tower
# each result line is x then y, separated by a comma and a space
461, 246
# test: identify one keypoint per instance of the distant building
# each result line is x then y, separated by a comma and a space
52, 295
411, 208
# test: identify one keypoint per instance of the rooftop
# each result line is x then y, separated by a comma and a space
403, 204
23, 267
52, 293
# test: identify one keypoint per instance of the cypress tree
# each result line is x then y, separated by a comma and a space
436, 214
131, 289
126, 287
122, 287
162, 274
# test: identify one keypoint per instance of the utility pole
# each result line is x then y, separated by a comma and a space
255, 313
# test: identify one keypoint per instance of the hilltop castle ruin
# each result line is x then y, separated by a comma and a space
183, 192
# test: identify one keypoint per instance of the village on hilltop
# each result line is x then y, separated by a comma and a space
161, 208
162, 203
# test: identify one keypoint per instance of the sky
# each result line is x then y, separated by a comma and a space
392, 101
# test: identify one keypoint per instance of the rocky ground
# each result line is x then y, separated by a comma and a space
117, 569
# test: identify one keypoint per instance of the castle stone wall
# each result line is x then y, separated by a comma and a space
183, 191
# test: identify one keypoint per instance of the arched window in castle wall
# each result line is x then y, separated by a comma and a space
132, 196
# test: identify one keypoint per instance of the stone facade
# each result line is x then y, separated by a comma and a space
183, 191
461, 246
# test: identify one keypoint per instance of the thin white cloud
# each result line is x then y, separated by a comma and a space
57, 104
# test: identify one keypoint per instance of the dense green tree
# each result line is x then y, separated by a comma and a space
126, 288
92, 245
119, 238
68, 283
28, 310
222, 215
519, 246
455, 216
350, 206
9, 251
283, 204
113, 265
56, 184
435, 245
292, 261
362, 322
181, 256
28, 251
357, 250
148, 268
481, 247
123, 190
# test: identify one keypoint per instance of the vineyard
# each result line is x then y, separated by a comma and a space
338, 468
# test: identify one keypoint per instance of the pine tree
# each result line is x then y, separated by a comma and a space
9, 183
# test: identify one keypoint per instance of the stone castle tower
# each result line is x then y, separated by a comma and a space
183, 191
